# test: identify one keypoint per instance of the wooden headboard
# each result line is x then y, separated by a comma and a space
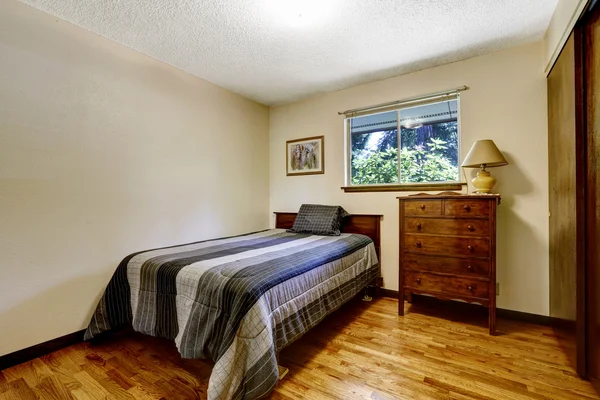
364, 224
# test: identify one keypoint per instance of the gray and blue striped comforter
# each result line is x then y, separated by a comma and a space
237, 301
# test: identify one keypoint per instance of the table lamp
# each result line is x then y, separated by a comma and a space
484, 154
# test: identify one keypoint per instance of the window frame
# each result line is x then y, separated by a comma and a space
399, 186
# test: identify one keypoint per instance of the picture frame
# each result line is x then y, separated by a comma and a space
305, 156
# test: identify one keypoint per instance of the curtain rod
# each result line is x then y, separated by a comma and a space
405, 101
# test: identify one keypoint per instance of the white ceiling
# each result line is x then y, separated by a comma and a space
279, 51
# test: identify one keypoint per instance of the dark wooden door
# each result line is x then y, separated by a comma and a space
591, 57
567, 177
562, 156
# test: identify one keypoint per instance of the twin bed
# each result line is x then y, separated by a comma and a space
239, 300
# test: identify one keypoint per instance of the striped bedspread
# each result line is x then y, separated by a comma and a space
237, 301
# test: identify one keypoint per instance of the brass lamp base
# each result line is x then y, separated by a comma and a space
484, 181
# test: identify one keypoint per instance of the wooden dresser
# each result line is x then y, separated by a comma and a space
448, 248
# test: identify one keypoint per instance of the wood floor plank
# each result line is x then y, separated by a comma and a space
24, 371
177, 390
52, 389
120, 379
3, 382
91, 386
139, 393
115, 363
18, 390
363, 351
145, 389
111, 386
60, 361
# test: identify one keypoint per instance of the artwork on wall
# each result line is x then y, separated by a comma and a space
305, 156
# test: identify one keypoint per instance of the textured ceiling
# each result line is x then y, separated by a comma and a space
278, 51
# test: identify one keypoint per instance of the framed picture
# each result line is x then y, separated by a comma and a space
305, 156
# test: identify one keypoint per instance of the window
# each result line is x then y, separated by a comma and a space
414, 144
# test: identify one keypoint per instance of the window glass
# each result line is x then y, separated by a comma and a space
426, 150
374, 144
429, 143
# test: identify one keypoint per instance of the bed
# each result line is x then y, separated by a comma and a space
239, 300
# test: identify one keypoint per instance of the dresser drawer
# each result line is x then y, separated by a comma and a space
447, 226
423, 207
446, 284
460, 266
446, 245
467, 208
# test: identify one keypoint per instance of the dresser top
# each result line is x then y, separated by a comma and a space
450, 195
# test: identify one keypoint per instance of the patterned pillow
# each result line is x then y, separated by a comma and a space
319, 220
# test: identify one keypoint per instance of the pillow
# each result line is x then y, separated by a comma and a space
318, 219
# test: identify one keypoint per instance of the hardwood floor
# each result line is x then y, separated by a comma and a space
363, 351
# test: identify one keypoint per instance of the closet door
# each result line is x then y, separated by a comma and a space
591, 56
563, 191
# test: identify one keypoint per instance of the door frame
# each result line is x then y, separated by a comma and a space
584, 265
581, 196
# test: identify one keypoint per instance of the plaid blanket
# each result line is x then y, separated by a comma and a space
238, 300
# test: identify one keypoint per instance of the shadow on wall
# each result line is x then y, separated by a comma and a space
514, 273
48, 308
513, 232
510, 177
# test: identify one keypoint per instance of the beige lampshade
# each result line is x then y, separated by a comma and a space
484, 152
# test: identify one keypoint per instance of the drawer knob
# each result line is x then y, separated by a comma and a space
467, 207
470, 288
422, 206
470, 227
471, 248
470, 268
418, 244
418, 281
418, 225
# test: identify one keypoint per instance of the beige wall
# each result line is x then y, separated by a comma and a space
563, 20
506, 102
103, 152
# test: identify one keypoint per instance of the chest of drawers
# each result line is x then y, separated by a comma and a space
448, 249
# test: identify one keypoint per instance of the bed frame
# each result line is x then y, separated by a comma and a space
364, 224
